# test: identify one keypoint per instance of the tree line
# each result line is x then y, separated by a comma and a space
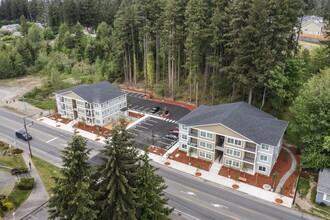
123, 186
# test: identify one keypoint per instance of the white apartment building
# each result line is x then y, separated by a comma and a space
96, 104
237, 134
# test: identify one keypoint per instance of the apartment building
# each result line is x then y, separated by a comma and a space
96, 104
237, 134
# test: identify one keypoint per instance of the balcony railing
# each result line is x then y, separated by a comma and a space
192, 144
250, 149
193, 134
248, 159
222, 148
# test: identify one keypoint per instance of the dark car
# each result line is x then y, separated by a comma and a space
155, 110
23, 135
174, 132
171, 136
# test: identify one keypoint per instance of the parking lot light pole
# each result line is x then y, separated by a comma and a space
28, 139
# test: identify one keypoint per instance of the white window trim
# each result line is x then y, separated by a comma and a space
232, 163
184, 127
205, 147
182, 137
205, 153
265, 145
325, 196
233, 152
234, 139
264, 156
206, 132
262, 170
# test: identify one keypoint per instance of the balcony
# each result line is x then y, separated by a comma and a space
250, 149
248, 159
193, 134
192, 144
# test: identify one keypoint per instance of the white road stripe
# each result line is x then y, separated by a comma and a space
51, 140
147, 123
140, 126
136, 129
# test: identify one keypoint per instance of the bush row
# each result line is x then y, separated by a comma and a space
25, 184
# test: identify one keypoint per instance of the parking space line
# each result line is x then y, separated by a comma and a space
135, 106
132, 134
136, 129
147, 123
140, 108
152, 121
161, 142
165, 138
140, 126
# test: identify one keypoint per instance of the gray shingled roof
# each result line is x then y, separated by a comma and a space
241, 117
95, 93
323, 184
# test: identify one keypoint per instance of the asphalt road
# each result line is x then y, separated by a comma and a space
47, 142
190, 195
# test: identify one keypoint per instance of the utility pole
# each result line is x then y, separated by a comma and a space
28, 140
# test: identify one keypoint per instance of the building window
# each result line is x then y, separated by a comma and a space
184, 127
203, 134
263, 158
262, 169
234, 141
184, 146
206, 145
232, 163
233, 152
205, 155
209, 135
184, 136
265, 147
326, 197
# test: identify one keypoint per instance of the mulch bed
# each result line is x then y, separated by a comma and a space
135, 115
93, 129
198, 173
157, 150
183, 158
235, 186
58, 118
288, 186
282, 165
279, 201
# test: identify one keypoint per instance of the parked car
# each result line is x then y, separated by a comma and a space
155, 109
174, 131
23, 135
172, 137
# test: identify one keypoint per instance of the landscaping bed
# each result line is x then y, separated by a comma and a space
183, 158
58, 118
157, 150
93, 129
14, 161
282, 165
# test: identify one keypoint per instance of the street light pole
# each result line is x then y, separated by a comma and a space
27, 137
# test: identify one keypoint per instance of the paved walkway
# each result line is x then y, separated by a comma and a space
211, 176
287, 174
38, 195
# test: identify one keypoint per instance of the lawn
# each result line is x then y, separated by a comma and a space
46, 172
18, 197
303, 187
13, 161
46, 104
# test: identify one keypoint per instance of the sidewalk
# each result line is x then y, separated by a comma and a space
38, 195
243, 187
211, 176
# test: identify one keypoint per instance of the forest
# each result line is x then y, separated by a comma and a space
199, 51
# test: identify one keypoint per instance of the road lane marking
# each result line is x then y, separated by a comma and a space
219, 206
140, 126
136, 129
51, 140
213, 210
198, 191
189, 193
147, 123
153, 121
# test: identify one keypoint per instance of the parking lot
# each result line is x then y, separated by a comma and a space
137, 102
152, 131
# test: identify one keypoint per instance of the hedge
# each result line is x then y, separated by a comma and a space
17, 151
25, 184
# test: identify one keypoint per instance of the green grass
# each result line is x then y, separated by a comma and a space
46, 104
18, 197
13, 161
46, 172
303, 187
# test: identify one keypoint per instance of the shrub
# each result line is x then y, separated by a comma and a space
25, 184
5, 205
17, 151
322, 204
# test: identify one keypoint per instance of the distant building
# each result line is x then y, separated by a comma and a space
96, 104
10, 27
236, 135
312, 25
323, 187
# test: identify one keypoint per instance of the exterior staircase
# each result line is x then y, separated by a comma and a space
216, 166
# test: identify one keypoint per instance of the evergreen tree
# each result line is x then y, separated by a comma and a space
73, 195
117, 177
151, 192
70, 12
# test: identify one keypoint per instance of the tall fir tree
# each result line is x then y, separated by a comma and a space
117, 177
73, 195
151, 192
